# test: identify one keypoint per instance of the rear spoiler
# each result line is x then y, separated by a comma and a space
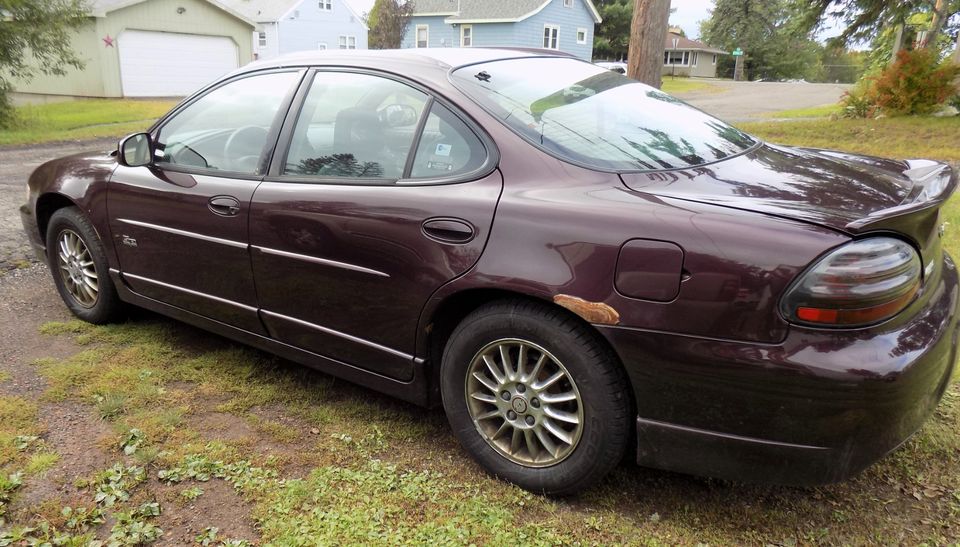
933, 184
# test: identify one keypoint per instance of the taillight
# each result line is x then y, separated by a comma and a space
860, 283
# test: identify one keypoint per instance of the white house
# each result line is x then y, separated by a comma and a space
284, 26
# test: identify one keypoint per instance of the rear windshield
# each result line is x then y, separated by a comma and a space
593, 116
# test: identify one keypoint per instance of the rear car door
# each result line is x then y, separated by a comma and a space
180, 223
381, 195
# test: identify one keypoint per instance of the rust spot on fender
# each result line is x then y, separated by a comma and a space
593, 312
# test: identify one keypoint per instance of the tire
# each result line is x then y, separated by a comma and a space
588, 371
75, 252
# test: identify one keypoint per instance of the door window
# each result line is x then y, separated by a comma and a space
227, 128
354, 126
447, 147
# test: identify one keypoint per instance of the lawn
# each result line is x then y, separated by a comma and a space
676, 86
821, 111
908, 137
82, 120
189, 438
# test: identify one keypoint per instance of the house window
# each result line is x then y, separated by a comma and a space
348, 42
581, 36
551, 37
326, 5
568, 3
466, 35
423, 36
321, 46
693, 58
714, 58
262, 39
676, 58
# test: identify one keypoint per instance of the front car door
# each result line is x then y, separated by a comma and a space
382, 195
180, 224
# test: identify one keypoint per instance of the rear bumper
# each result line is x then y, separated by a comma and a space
816, 408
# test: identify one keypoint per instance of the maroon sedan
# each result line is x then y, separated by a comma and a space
575, 265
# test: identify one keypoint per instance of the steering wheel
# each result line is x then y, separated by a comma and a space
243, 147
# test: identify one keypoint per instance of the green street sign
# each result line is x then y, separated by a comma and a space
737, 52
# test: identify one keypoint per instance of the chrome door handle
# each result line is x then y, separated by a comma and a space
225, 206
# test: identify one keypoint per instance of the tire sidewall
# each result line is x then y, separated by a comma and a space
581, 466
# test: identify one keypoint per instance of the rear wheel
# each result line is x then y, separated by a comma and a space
79, 266
535, 397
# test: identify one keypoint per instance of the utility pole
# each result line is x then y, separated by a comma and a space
648, 34
897, 44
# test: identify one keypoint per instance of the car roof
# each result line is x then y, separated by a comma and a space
437, 58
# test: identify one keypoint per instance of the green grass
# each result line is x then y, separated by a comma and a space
822, 111
676, 86
902, 138
82, 119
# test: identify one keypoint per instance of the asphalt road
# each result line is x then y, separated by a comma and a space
753, 101
737, 101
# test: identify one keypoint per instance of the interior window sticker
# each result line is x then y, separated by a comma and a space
443, 149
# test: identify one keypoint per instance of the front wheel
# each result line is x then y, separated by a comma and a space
535, 397
78, 263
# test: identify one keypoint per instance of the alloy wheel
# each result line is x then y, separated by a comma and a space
77, 268
524, 403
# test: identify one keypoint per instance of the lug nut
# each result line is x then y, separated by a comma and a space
511, 415
529, 420
535, 403
505, 395
521, 388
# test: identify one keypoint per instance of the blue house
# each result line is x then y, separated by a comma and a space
565, 25
285, 26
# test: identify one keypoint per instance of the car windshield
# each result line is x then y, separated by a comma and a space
590, 115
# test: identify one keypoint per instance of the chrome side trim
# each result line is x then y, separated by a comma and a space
338, 334
317, 260
184, 233
188, 291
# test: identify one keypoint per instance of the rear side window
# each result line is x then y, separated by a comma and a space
355, 126
447, 148
592, 116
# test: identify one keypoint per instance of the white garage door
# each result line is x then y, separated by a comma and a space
165, 64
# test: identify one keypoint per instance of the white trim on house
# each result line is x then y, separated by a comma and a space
463, 29
551, 40
214, 3
416, 36
585, 34
343, 41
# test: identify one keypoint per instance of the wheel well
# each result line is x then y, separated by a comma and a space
456, 307
48, 204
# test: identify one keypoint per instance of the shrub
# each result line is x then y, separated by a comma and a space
857, 103
917, 83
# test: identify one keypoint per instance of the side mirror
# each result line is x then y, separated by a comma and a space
135, 150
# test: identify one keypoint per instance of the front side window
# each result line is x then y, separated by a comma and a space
354, 126
588, 115
551, 37
227, 128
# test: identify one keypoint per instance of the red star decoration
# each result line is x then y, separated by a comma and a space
108, 41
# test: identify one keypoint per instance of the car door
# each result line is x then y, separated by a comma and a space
381, 195
180, 223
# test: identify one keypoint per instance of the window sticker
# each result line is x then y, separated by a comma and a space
443, 149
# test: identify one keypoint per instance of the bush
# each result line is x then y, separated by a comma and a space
917, 83
857, 103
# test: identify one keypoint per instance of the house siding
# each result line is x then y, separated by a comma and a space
704, 69
303, 31
529, 32
101, 74
526, 33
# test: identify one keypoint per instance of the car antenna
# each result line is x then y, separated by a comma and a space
483, 76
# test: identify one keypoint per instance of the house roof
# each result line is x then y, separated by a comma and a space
684, 43
100, 8
263, 11
488, 11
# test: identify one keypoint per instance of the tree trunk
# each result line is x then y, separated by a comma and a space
939, 14
897, 44
648, 32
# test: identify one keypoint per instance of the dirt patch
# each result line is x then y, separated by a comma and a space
219, 506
